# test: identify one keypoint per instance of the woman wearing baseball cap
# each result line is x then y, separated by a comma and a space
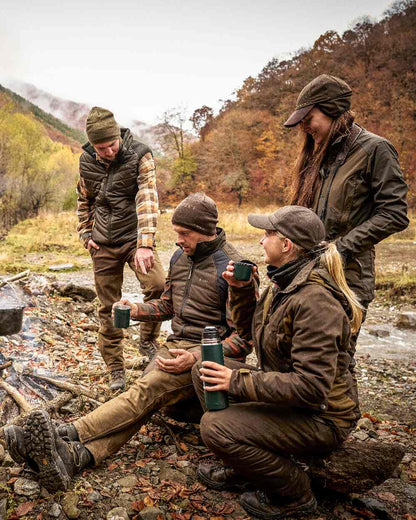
301, 399
349, 177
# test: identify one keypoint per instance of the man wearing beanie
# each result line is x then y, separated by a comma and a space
195, 296
117, 214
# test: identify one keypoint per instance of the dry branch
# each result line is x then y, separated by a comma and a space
17, 396
65, 385
14, 278
50, 407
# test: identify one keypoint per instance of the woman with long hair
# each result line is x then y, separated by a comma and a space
301, 399
349, 177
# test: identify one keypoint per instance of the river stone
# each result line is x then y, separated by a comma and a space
127, 482
55, 511
118, 513
26, 487
151, 513
380, 332
373, 505
94, 496
84, 292
69, 505
169, 473
364, 424
3, 509
406, 320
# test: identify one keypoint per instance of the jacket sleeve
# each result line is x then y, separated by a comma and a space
147, 202
317, 326
236, 345
85, 211
389, 201
242, 302
160, 309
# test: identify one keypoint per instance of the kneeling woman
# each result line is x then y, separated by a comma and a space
302, 399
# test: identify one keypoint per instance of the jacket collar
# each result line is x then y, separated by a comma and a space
205, 249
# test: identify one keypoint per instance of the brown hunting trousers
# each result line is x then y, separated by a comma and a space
108, 265
105, 430
261, 441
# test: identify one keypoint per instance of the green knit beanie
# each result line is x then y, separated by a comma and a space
101, 126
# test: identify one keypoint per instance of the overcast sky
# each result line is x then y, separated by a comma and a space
142, 57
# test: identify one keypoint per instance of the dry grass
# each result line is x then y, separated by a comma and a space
52, 238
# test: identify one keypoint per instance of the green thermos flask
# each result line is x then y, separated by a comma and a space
211, 350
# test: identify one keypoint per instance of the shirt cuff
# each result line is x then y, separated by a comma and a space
146, 241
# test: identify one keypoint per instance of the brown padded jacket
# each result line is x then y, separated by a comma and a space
302, 339
362, 200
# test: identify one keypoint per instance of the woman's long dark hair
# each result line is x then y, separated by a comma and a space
307, 179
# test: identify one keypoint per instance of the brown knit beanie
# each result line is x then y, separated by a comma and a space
101, 126
198, 212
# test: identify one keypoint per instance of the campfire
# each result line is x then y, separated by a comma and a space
25, 380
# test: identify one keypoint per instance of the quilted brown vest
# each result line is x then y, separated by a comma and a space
114, 190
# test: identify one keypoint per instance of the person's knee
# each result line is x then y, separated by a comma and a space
212, 431
196, 380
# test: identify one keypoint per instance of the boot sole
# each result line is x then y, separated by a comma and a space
221, 486
305, 509
41, 447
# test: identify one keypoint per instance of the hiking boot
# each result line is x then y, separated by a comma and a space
15, 443
57, 460
67, 431
259, 504
220, 477
149, 347
117, 380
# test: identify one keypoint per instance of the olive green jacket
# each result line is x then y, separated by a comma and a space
302, 339
362, 200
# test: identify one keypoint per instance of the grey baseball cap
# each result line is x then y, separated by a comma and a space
301, 225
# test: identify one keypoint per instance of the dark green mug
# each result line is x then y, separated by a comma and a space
242, 271
122, 316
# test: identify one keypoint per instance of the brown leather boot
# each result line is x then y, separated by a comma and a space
259, 504
117, 380
58, 460
220, 477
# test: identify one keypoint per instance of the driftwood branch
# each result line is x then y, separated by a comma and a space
50, 407
14, 278
159, 421
65, 385
17, 396
6, 365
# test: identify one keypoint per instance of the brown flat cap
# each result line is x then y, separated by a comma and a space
301, 225
330, 94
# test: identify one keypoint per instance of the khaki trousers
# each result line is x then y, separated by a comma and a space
110, 426
259, 440
108, 265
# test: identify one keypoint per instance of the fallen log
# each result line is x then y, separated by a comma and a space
356, 466
17, 396
50, 407
65, 385
14, 278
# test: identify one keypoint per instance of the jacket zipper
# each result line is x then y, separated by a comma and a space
187, 286
107, 188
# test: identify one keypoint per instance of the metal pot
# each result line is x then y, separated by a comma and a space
11, 320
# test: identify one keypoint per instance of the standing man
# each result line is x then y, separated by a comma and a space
117, 214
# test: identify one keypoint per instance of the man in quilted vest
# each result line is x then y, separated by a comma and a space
117, 215
195, 295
